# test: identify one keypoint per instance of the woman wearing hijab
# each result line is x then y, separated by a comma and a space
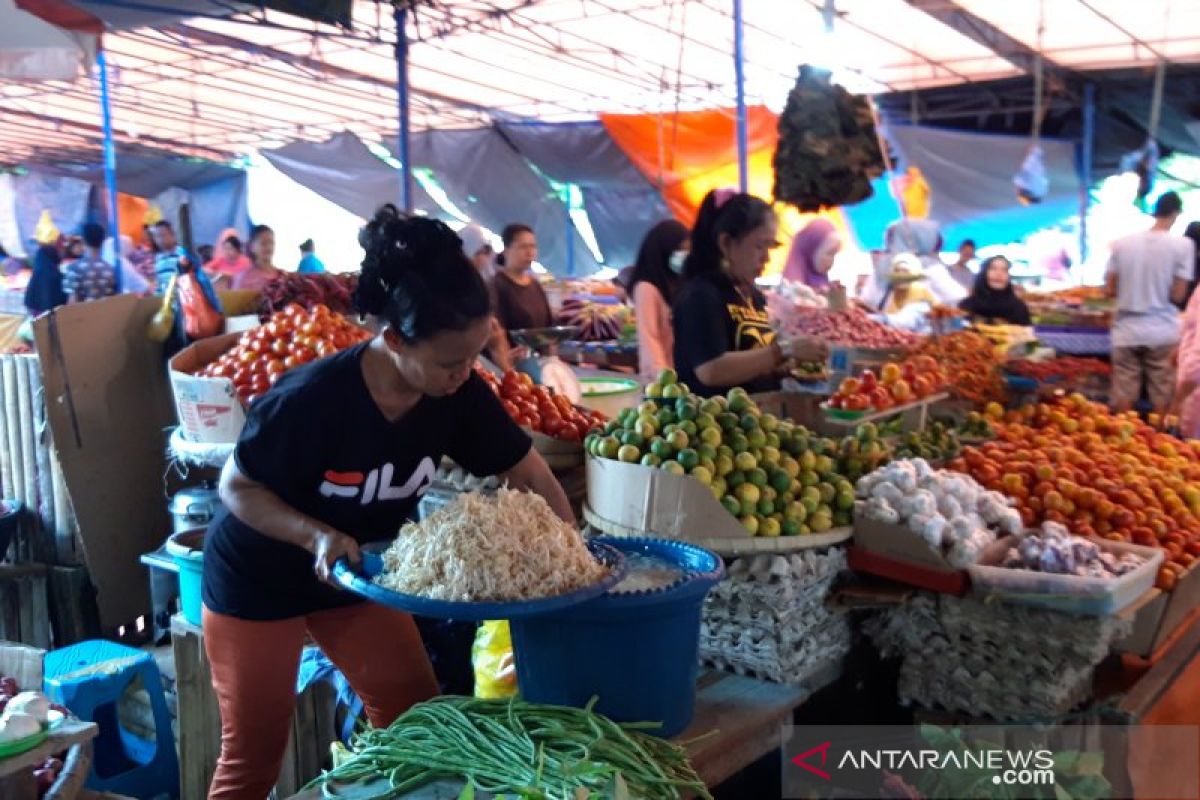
652, 285
993, 298
812, 253
45, 289
229, 260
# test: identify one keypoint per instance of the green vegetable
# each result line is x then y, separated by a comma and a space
512, 747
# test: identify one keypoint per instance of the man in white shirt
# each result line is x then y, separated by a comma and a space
1148, 275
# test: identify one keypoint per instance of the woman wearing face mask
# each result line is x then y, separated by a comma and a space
652, 285
811, 256
993, 297
723, 337
519, 299
262, 255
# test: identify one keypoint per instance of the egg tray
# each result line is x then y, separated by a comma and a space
1019, 667
915, 687
814, 673
730, 641
740, 611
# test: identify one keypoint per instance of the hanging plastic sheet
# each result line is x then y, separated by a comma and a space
1031, 181
66, 200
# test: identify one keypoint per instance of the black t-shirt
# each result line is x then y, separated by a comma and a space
320, 442
710, 319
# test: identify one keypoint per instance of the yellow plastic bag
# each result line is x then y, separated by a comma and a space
163, 322
492, 657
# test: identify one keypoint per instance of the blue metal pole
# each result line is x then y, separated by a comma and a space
1085, 168
110, 163
406, 175
739, 66
570, 236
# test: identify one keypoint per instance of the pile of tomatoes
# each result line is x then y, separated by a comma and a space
1100, 474
540, 408
291, 337
895, 385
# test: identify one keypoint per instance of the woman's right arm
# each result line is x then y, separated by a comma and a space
738, 367
653, 316
264, 511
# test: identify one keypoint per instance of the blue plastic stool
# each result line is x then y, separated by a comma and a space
89, 679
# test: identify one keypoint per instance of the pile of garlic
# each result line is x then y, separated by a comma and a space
951, 512
1053, 549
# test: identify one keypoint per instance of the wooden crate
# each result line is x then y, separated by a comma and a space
24, 611
313, 727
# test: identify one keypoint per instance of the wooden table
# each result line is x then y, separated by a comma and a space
747, 716
16, 773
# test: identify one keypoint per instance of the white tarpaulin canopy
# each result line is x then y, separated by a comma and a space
218, 88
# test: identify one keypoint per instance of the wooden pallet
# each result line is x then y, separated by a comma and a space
24, 613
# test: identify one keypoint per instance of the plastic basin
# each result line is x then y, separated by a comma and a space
636, 651
610, 396
187, 548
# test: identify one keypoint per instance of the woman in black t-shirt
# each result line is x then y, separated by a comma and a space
723, 337
336, 455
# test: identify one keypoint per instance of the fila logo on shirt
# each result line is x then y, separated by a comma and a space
377, 484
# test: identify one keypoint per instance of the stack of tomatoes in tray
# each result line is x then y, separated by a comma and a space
290, 338
895, 385
540, 408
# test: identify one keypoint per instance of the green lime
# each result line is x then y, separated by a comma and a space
757, 476
844, 501
689, 427
708, 464
744, 462
738, 403
769, 422
701, 474
667, 376
727, 421
711, 406
627, 417
769, 527
796, 511
748, 422
748, 493
841, 519
629, 454
773, 440
711, 436
673, 391
824, 465
719, 484
651, 460
809, 478
647, 407
739, 442
727, 451
750, 523
707, 451
791, 466
808, 460
609, 447
757, 438
688, 458
791, 527
780, 480
717, 491
589, 442
673, 467
706, 420
772, 455
724, 465
632, 439
661, 447
828, 493
664, 417
765, 507
810, 504
654, 390
732, 505
735, 478
678, 439
820, 523
686, 409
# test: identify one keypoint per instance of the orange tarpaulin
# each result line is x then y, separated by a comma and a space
132, 211
693, 152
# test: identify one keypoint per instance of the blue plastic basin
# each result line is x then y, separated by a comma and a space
637, 651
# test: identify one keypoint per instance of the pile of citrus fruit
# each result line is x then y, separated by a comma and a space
1101, 474
777, 477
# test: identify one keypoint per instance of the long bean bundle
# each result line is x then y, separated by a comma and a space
516, 748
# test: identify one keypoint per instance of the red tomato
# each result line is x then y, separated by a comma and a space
321, 310
510, 408
867, 381
294, 310
220, 370
570, 433
247, 356
542, 394
325, 349
856, 402
552, 424
564, 405
275, 367
303, 355
528, 408
535, 421
279, 347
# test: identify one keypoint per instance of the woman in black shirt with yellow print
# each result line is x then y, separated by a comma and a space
723, 337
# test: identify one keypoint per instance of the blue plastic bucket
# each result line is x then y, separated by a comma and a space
187, 548
637, 651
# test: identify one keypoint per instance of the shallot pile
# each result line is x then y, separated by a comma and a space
851, 327
309, 289
1056, 551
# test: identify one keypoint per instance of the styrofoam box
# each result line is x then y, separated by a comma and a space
1070, 594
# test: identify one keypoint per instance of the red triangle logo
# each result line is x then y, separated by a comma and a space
802, 760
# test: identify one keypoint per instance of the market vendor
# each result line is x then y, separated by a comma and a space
336, 454
653, 284
723, 337
519, 299
993, 298
812, 254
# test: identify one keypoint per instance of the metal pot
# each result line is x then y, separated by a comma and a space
194, 507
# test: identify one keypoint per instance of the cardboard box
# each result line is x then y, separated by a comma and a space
209, 409
649, 499
894, 551
23, 663
1158, 615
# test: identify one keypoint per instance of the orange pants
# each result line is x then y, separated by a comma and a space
254, 667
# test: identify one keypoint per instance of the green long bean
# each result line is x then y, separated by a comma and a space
515, 748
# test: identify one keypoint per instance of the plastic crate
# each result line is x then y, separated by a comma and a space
1070, 594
